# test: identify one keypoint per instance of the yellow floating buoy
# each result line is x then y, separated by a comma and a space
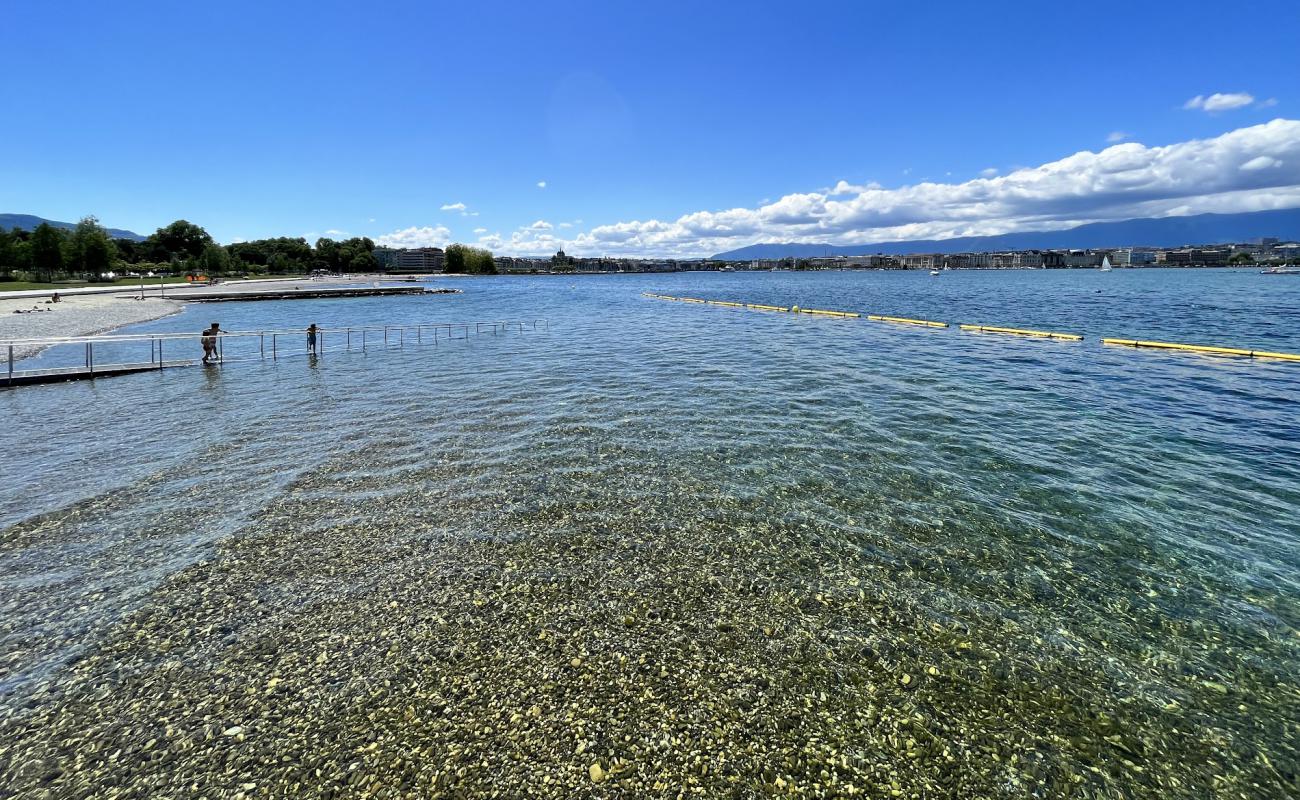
1200, 348
827, 313
1070, 337
907, 321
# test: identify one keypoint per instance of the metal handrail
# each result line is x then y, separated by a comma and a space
51, 341
158, 340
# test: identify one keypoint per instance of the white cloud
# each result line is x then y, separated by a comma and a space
1269, 103
372, 219
566, 224
453, 207
1261, 162
416, 237
335, 232
1114, 137
988, 172
541, 184
1219, 101
540, 225
842, 187
480, 230
1223, 174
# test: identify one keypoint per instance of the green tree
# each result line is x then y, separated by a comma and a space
8, 254
357, 255
1241, 258
47, 251
454, 258
214, 260
180, 240
90, 250
327, 254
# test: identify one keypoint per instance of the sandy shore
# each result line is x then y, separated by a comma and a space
74, 316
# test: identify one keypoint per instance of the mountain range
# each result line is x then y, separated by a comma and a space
1157, 232
29, 222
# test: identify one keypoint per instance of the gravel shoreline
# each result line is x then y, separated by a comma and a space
74, 316
658, 650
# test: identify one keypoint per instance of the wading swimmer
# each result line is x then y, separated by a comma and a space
209, 340
311, 338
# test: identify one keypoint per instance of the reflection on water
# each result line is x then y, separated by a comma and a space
665, 547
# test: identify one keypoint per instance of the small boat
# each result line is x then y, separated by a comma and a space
935, 272
1105, 264
1280, 271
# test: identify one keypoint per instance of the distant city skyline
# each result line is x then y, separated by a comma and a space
671, 131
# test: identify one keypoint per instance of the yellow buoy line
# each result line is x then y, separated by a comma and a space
756, 306
927, 323
1068, 337
1200, 348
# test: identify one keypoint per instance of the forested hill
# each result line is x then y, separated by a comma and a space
28, 222
1158, 232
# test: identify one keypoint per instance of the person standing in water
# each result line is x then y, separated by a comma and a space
209, 341
311, 338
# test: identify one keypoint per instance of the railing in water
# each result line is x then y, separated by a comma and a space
116, 354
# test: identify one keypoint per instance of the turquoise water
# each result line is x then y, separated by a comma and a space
970, 565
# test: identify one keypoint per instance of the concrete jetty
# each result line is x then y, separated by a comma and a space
305, 293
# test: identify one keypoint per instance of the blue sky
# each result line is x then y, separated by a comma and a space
657, 128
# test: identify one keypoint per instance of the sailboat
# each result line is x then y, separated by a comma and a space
1105, 264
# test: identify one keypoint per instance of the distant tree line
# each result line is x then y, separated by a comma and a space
87, 252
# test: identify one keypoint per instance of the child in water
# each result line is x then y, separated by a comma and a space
209, 340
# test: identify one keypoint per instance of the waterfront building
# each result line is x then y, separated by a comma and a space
415, 259
1193, 257
922, 261
1128, 257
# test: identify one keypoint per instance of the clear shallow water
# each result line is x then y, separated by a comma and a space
1094, 549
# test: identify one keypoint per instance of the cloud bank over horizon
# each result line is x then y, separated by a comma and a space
1254, 168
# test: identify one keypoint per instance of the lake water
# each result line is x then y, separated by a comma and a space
694, 547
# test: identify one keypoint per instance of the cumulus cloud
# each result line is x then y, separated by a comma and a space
453, 207
1117, 136
1224, 174
541, 184
1261, 162
988, 172
540, 225
1219, 102
427, 236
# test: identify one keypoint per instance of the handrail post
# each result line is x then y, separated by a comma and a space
349, 347
11, 365
90, 357
261, 344
363, 340
160, 355
401, 337
322, 341
385, 337
419, 338
274, 354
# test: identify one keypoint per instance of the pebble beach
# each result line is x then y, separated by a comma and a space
74, 315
